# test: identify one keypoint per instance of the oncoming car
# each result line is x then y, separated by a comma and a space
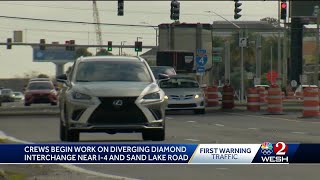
111, 94
183, 93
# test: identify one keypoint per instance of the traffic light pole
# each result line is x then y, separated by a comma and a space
316, 73
242, 70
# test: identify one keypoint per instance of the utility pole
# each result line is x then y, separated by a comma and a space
316, 68
242, 70
271, 68
285, 55
258, 56
227, 61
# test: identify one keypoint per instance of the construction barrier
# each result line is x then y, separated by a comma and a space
253, 99
299, 95
274, 100
204, 89
290, 95
263, 95
227, 97
310, 102
212, 96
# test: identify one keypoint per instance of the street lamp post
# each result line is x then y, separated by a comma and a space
242, 63
137, 41
316, 68
156, 29
122, 44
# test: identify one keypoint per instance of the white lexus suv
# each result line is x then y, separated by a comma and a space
112, 94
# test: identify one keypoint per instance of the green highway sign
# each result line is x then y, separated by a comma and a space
216, 59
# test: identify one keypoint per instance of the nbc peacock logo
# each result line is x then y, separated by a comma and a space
266, 148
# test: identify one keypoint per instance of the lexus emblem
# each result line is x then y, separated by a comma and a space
117, 103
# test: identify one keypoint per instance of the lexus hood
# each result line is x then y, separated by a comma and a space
115, 88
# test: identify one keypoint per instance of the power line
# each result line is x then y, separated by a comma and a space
75, 22
113, 10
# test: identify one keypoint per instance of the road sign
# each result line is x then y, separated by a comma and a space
53, 54
200, 69
293, 83
201, 61
243, 42
257, 81
304, 79
201, 52
216, 59
250, 75
272, 76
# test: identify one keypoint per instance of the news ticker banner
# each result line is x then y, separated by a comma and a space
267, 153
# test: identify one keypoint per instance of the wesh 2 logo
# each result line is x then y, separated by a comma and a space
274, 153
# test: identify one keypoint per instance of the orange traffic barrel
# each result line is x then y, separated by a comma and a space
274, 100
263, 95
212, 96
310, 102
253, 99
227, 97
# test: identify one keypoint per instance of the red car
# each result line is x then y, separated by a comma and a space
40, 92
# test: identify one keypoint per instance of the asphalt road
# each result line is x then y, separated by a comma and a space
184, 127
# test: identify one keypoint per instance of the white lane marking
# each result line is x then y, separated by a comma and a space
274, 118
169, 117
222, 168
69, 166
194, 140
298, 132
253, 128
221, 125
191, 121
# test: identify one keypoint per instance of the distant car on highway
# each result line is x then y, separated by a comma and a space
167, 70
18, 96
40, 92
7, 95
183, 93
111, 94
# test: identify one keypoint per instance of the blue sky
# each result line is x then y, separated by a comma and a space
17, 61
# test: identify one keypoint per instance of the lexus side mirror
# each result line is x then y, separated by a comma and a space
62, 78
163, 76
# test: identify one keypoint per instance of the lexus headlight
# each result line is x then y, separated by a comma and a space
77, 95
155, 95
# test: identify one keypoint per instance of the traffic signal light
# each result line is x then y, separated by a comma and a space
67, 45
9, 41
138, 46
72, 48
237, 9
109, 45
283, 10
120, 7
175, 10
42, 44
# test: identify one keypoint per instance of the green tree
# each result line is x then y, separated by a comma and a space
43, 76
82, 52
103, 52
272, 21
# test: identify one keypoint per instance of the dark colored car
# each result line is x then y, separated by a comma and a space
167, 70
7, 95
40, 92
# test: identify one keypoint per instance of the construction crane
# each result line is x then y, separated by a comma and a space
96, 19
